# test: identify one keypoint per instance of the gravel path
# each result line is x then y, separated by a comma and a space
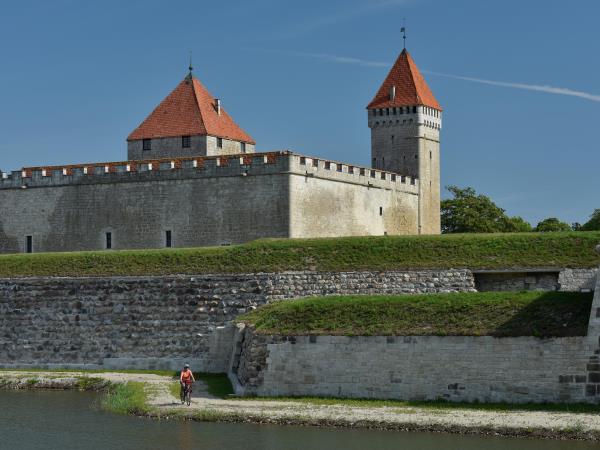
516, 423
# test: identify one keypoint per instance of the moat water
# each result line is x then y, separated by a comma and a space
69, 420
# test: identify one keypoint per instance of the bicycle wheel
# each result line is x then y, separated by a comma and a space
188, 396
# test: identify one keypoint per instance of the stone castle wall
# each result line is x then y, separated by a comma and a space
454, 368
201, 200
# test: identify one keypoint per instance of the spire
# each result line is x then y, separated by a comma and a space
404, 86
403, 31
190, 68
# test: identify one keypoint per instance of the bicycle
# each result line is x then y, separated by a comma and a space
186, 393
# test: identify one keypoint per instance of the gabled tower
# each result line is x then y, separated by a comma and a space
405, 121
188, 122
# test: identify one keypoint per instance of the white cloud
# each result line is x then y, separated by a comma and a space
528, 87
340, 59
524, 86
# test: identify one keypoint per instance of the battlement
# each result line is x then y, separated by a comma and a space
247, 164
349, 173
405, 116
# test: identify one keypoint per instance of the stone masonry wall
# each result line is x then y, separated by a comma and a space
455, 368
576, 280
158, 322
517, 281
199, 201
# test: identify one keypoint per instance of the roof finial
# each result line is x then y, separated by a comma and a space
403, 31
191, 68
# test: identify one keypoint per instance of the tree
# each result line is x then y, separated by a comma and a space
468, 212
517, 225
552, 224
593, 223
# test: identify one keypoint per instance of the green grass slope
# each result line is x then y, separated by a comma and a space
475, 251
501, 314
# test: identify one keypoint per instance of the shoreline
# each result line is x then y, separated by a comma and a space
161, 405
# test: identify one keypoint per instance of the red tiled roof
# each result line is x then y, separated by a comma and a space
411, 88
187, 111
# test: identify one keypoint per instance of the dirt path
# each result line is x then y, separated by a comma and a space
207, 407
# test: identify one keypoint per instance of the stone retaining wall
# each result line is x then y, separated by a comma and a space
574, 280
455, 368
158, 322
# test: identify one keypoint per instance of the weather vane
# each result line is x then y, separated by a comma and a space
191, 67
403, 31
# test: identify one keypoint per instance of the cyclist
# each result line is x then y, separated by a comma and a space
186, 379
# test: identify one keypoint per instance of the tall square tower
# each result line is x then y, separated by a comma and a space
405, 121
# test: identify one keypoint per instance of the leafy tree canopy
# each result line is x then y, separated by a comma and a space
469, 212
594, 222
552, 224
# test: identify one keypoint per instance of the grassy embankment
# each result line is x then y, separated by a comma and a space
475, 251
501, 314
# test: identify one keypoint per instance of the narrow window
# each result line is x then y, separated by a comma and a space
315, 162
381, 210
430, 157
387, 111
219, 142
168, 240
414, 109
147, 144
185, 142
29, 248
243, 145
392, 138
108, 241
302, 161
375, 163
383, 162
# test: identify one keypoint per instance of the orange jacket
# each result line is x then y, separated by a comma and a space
186, 376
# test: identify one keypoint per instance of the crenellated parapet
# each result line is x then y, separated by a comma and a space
247, 164
349, 173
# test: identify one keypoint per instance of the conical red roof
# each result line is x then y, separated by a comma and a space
189, 110
411, 88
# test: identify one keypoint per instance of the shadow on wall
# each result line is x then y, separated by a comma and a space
516, 281
550, 315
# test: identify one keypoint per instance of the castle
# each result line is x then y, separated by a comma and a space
193, 178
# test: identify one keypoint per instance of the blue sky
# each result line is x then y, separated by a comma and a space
77, 77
